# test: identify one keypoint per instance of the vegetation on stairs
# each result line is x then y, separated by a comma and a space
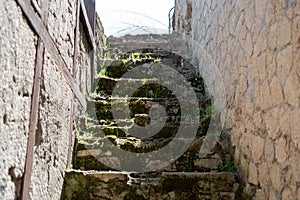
191, 176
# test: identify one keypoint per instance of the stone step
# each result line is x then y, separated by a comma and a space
128, 128
149, 87
126, 62
160, 107
207, 153
95, 185
146, 59
115, 68
172, 42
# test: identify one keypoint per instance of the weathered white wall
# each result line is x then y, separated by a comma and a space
18, 43
248, 52
51, 153
17, 62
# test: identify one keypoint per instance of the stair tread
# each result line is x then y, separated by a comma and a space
112, 98
166, 174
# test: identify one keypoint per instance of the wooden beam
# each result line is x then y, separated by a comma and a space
34, 109
33, 122
42, 32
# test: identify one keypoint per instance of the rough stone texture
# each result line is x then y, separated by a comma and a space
248, 54
18, 44
129, 43
83, 71
61, 25
175, 185
17, 54
50, 157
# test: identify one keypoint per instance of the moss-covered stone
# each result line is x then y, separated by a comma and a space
114, 185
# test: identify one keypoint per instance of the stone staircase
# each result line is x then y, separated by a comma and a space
118, 150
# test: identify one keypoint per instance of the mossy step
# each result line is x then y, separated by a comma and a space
95, 185
90, 153
113, 68
214, 153
162, 130
117, 68
106, 85
149, 87
101, 109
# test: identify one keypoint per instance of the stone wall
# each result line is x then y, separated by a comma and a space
248, 53
16, 70
57, 106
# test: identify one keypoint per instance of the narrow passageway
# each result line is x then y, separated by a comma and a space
197, 100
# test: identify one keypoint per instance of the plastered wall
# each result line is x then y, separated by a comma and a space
248, 53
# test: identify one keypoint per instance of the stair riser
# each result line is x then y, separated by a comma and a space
179, 186
101, 110
89, 155
149, 88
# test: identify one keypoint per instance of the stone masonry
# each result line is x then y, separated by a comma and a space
18, 54
248, 54
101, 167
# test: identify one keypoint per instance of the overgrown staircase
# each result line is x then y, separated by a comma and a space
103, 172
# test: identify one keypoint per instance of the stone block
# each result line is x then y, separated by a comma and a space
276, 91
253, 176
208, 163
265, 100
280, 33
291, 89
295, 126
276, 177
260, 194
271, 119
284, 61
263, 175
281, 149
257, 147
269, 153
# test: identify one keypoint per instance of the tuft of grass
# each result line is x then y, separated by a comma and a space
227, 166
208, 111
222, 133
104, 73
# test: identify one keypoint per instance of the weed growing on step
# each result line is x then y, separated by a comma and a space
221, 133
227, 166
157, 60
207, 112
200, 80
104, 73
